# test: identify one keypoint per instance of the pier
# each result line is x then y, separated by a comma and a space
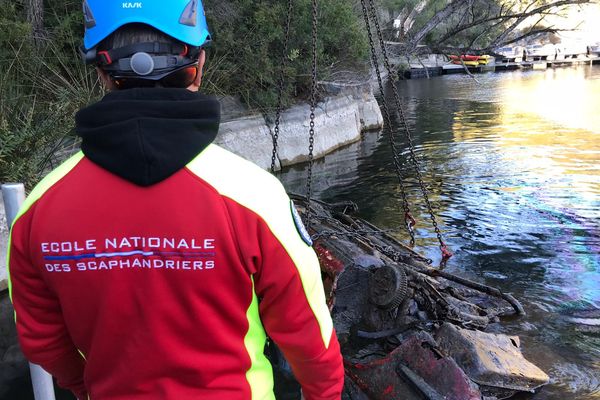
418, 71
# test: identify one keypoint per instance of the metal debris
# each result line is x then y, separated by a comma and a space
388, 303
493, 360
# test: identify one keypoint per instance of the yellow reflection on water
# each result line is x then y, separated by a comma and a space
565, 96
548, 123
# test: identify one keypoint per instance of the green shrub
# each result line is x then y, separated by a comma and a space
248, 46
39, 95
43, 85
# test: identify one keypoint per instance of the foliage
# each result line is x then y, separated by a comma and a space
397, 5
42, 85
474, 25
39, 95
248, 46
41, 88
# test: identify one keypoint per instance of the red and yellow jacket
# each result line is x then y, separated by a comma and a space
166, 288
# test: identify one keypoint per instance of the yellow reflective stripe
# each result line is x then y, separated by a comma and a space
259, 191
41, 188
10, 289
8, 268
260, 374
84, 359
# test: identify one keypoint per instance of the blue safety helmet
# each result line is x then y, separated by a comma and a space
183, 20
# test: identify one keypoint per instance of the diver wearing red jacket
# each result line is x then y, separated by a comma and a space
153, 264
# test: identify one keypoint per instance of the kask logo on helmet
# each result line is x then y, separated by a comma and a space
138, 4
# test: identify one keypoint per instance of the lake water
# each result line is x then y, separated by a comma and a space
512, 161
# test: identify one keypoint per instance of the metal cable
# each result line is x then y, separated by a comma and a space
313, 106
409, 221
281, 84
446, 254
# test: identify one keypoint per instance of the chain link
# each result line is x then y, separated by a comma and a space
446, 254
313, 106
409, 221
363, 235
281, 84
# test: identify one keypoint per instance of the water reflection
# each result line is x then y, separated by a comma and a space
513, 166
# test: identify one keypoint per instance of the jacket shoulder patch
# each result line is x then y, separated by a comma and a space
302, 231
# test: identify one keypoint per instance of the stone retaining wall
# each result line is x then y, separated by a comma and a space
339, 120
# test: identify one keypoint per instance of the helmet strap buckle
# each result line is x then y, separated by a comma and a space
103, 58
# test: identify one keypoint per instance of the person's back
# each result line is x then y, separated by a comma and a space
150, 265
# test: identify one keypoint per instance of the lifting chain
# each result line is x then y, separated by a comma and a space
409, 221
313, 106
446, 254
281, 84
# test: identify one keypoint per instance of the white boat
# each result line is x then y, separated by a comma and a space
571, 51
511, 53
540, 52
594, 49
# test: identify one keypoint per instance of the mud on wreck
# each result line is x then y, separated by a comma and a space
409, 331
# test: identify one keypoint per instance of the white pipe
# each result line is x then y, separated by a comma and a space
43, 387
14, 197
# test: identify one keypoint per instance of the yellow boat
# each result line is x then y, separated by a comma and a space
467, 63
485, 59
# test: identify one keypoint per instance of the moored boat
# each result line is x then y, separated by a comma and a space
465, 59
485, 59
467, 63
510, 54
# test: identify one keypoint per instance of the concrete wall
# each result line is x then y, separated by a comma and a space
339, 120
341, 166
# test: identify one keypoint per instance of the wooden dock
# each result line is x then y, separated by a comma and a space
416, 72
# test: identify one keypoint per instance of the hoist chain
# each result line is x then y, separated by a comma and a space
409, 221
313, 106
446, 254
281, 83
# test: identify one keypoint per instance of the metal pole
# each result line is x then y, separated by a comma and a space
43, 387
14, 197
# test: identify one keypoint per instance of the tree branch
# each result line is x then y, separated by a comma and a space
438, 18
501, 18
527, 14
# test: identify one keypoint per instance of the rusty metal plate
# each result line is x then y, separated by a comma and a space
491, 359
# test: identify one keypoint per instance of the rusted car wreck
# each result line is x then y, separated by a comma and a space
407, 330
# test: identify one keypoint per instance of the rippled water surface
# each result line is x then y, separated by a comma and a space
513, 164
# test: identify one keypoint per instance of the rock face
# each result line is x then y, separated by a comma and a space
337, 123
339, 120
248, 137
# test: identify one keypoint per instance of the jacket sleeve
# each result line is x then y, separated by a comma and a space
292, 306
42, 332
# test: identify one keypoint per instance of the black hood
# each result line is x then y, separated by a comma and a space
146, 135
